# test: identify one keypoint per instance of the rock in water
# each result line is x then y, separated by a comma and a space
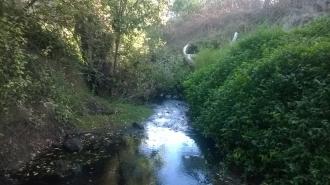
73, 144
138, 126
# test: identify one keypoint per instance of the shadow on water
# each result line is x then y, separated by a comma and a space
114, 161
220, 174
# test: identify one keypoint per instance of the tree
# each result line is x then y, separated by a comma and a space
130, 15
185, 7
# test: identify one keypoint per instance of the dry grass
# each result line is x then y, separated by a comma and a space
220, 22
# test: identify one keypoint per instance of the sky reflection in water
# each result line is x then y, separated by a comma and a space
166, 138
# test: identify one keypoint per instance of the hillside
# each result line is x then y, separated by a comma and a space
216, 22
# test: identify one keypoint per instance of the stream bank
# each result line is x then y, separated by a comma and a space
105, 158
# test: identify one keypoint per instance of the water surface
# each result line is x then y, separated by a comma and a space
167, 140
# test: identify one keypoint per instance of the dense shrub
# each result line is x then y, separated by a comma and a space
147, 76
266, 103
203, 81
31, 59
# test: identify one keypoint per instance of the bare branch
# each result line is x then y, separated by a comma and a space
30, 4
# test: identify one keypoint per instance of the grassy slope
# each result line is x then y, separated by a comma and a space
122, 114
56, 99
87, 111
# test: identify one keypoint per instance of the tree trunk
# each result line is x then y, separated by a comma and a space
117, 43
30, 4
267, 3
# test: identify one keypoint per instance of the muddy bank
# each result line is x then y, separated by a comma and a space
83, 159
27, 132
22, 140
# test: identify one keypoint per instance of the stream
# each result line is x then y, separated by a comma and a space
167, 142
167, 139
170, 140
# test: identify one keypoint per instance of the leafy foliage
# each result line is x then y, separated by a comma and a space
150, 75
47, 47
266, 104
13, 59
25, 78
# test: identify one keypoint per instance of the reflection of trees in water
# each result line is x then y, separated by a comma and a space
216, 168
156, 159
196, 167
208, 148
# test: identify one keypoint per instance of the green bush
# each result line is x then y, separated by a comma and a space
31, 59
266, 103
204, 81
13, 61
